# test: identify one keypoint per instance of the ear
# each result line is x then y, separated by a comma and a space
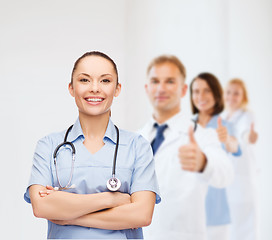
118, 90
71, 89
146, 88
184, 90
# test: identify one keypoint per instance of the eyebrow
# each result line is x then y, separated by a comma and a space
87, 75
168, 78
103, 75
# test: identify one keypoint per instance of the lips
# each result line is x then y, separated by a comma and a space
161, 98
94, 100
202, 103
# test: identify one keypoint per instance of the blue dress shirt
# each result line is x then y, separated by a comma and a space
134, 167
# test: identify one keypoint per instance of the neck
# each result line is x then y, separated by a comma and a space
203, 118
163, 116
94, 126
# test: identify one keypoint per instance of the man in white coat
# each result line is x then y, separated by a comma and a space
188, 157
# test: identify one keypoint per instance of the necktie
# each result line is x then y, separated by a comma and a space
159, 137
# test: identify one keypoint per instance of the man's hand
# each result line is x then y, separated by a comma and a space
190, 155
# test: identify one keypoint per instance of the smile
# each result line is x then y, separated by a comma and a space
94, 99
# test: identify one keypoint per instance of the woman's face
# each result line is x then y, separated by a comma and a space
94, 85
202, 96
234, 96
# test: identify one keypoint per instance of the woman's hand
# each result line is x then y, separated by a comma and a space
253, 136
120, 198
49, 190
117, 198
222, 131
230, 142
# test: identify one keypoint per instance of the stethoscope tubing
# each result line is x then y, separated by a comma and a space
65, 142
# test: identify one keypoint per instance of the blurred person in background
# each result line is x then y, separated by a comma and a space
243, 196
187, 157
206, 95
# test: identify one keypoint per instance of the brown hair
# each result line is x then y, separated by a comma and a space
94, 53
216, 89
241, 83
167, 58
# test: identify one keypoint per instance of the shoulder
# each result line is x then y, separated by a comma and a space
227, 124
247, 117
52, 139
248, 114
132, 137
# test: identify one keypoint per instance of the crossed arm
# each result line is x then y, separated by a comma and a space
119, 210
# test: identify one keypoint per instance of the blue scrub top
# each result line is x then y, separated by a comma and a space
134, 167
217, 208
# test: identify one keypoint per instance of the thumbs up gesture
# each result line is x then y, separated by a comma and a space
253, 135
222, 131
190, 155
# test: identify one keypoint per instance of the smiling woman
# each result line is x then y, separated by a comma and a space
94, 83
88, 209
207, 103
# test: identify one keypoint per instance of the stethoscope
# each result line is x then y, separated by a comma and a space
113, 184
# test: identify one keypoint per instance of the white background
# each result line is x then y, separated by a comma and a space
40, 40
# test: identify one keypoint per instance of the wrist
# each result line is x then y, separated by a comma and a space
108, 199
203, 162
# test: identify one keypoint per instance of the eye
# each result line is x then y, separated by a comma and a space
105, 80
170, 81
154, 81
83, 80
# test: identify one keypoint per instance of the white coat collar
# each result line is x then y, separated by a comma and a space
179, 123
234, 116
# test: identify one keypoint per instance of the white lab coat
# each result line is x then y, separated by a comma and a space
242, 193
181, 213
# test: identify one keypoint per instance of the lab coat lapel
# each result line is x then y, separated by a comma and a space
172, 137
178, 126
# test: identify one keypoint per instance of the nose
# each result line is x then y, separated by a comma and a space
201, 95
95, 86
161, 87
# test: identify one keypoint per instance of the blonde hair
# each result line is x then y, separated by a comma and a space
241, 83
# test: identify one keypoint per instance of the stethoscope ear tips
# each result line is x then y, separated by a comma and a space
113, 184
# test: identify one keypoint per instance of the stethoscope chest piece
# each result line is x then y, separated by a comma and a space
113, 184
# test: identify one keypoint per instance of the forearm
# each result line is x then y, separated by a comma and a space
219, 170
62, 205
134, 215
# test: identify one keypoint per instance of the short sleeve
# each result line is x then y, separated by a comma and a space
144, 176
41, 170
229, 127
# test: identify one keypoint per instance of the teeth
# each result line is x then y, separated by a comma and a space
94, 99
